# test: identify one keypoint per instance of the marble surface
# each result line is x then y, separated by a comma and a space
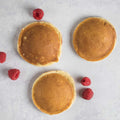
15, 96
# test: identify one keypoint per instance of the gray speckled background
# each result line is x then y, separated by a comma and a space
15, 96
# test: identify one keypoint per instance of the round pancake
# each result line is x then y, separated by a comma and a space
94, 39
40, 43
53, 92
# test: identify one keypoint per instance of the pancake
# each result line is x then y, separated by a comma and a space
40, 43
53, 92
94, 39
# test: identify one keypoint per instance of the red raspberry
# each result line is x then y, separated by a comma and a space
2, 57
86, 81
38, 14
87, 94
14, 73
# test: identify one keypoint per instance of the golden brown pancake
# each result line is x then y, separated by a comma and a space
94, 39
40, 43
53, 92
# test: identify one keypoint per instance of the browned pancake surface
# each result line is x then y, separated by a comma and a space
39, 43
94, 39
53, 93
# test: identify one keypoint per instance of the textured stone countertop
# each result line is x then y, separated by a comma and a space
15, 96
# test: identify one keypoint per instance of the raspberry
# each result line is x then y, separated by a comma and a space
86, 81
2, 57
14, 73
87, 94
38, 14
